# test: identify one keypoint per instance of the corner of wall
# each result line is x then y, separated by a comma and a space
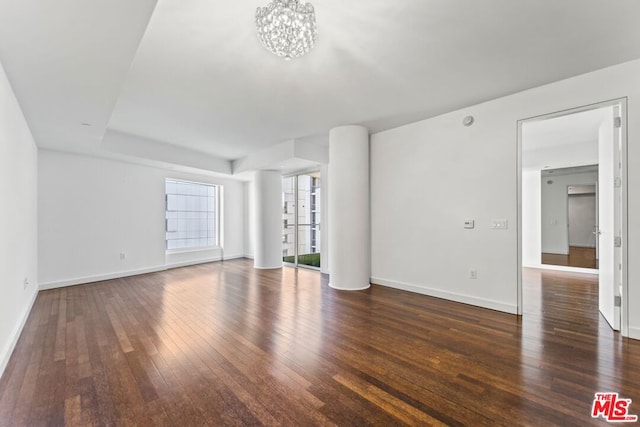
7, 351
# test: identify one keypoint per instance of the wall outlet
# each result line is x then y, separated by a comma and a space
473, 274
25, 284
499, 224
122, 256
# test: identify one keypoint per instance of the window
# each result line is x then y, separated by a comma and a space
191, 215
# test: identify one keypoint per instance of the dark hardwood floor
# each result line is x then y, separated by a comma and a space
224, 344
578, 257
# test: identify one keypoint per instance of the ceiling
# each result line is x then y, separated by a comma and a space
191, 77
566, 141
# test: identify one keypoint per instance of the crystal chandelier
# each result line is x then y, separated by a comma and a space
287, 28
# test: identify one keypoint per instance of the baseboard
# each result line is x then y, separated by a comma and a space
121, 274
234, 256
538, 266
202, 261
634, 333
361, 288
465, 299
5, 356
192, 262
563, 268
247, 256
99, 278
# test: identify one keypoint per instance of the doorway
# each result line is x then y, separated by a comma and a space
569, 216
577, 138
301, 220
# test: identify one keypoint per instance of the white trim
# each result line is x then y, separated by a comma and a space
451, 296
5, 356
192, 262
190, 250
350, 289
622, 102
563, 268
98, 278
234, 256
120, 274
268, 268
634, 333
247, 256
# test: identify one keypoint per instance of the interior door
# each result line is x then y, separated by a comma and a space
609, 217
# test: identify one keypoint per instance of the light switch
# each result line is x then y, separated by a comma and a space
469, 223
499, 224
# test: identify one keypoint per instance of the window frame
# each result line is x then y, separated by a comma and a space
217, 214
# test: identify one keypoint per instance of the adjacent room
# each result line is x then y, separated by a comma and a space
326, 213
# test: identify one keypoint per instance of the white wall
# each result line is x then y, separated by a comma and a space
582, 220
249, 218
91, 210
267, 214
531, 225
555, 231
429, 176
18, 220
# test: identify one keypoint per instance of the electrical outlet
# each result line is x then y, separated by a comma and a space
25, 284
122, 256
499, 224
473, 274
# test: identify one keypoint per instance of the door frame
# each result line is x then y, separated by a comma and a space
622, 102
296, 226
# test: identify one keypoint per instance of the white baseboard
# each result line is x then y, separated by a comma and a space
202, 261
634, 333
120, 274
98, 278
361, 288
7, 351
563, 268
234, 256
466, 299
191, 262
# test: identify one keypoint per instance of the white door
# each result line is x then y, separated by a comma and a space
609, 218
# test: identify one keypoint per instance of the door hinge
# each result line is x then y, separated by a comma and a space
617, 183
617, 242
617, 301
617, 122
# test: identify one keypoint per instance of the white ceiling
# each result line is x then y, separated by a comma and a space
192, 73
564, 130
565, 141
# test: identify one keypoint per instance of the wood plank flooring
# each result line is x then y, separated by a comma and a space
578, 257
223, 344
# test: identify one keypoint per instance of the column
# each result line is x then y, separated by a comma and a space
349, 216
267, 216
324, 219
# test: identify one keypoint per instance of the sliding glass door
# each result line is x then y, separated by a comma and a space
301, 201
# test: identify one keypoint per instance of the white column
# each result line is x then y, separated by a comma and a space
267, 216
324, 219
349, 216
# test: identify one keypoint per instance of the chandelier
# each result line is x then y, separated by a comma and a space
287, 28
